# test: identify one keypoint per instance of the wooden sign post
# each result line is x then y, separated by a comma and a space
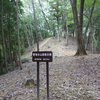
42, 56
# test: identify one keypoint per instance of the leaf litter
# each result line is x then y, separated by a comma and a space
71, 77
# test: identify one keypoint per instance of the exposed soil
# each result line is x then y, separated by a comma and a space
71, 77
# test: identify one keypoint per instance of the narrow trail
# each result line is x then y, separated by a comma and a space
44, 42
41, 43
60, 48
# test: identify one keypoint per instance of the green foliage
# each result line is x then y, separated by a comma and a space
10, 30
22, 50
98, 44
71, 28
3, 71
49, 35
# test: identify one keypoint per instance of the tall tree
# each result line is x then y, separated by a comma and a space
65, 21
19, 53
56, 11
35, 26
44, 15
78, 27
3, 42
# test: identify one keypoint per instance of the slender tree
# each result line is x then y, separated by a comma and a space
29, 45
89, 20
65, 22
44, 15
35, 26
56, 11
3, 42
31, 27
19, 54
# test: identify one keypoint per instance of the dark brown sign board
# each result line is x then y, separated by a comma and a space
42, 56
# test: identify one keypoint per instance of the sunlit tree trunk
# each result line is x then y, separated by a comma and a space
44, 16
35, 26
3, 42
58, 28
65, 26
67, 34
31, 28
19, 53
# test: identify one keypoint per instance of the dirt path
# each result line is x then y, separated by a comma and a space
41, 43
58, 48
44, 42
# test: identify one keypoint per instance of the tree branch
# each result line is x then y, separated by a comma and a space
89, 20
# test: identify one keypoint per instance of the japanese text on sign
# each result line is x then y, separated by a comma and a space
42, 56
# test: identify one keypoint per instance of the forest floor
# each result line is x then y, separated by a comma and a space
71, 77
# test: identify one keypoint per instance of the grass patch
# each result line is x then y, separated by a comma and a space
26, 59
63, 97
30, 83
70, 91
58, 74
82, 97
77, 86
85, 97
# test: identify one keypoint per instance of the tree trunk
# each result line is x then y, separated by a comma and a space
90, 39
67, 34
9, 41
1, 71
89, 20
95, 46
44, 16
31, 28
54, 32
73, 33
19, 54
58, 28
92, 43
3, 42
78, 28
35, 26
66, 26
27, 37
14, 49
41, 36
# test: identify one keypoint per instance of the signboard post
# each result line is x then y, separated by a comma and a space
47, 66
42, 56
37, 80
